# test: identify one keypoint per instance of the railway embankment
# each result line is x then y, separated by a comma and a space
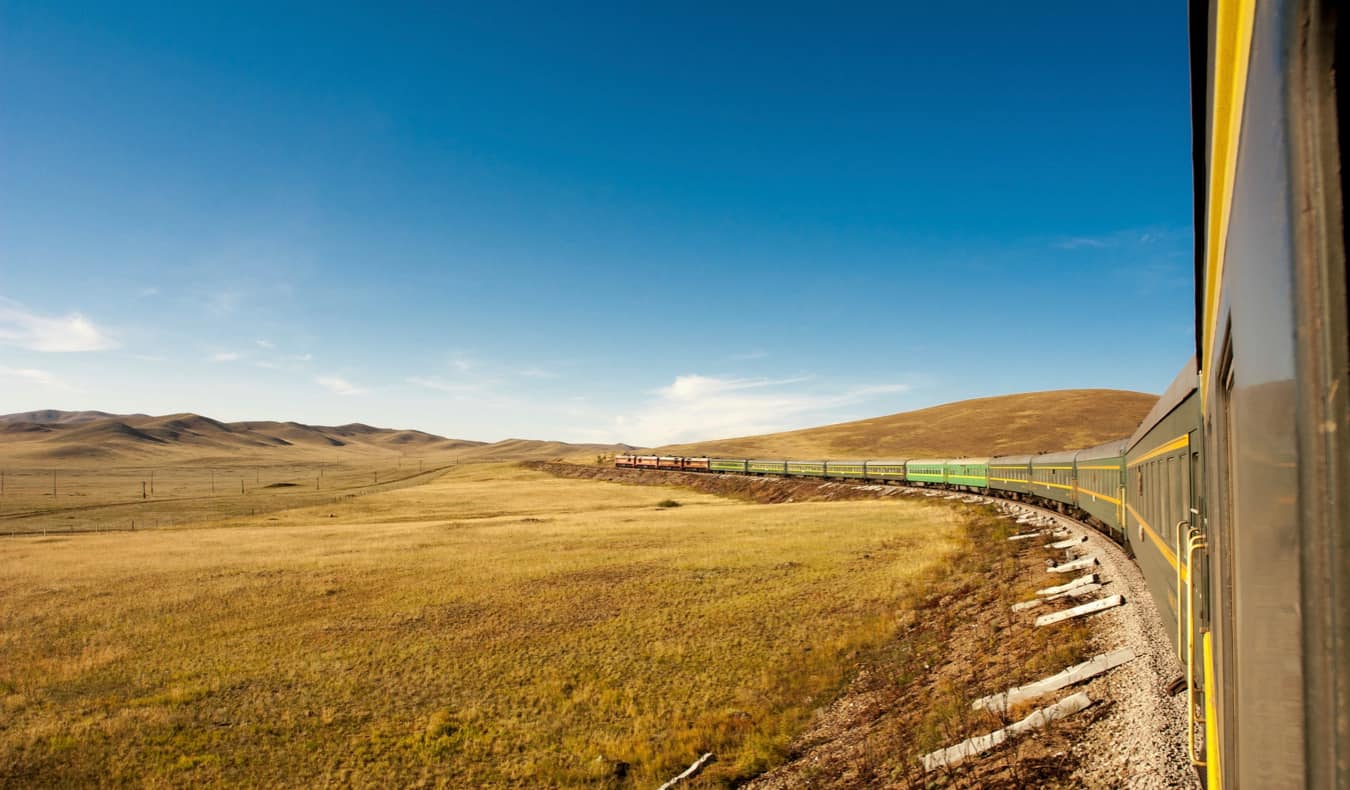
971, 632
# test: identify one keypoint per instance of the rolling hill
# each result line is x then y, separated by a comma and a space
71, 437
1031, 422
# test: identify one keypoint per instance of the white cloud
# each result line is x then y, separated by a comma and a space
267, 365
537, 373
225, 356
146, 293
338, 385
264, 344
72, 332
463, 363
34, 375
302, 357
696, 407
440, 385
1081, 242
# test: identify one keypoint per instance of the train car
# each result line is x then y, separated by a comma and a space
854, 470
625, 460
1160, 470
1052, 476
766, 467
892, 471
1101, 485
737, 465
926, 470
645, 461
669, 462
1270, 668
696, 464
968, 472
1010, 473
805, 468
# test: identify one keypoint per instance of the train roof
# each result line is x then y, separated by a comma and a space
1054, 458
1112, 449
1010, 459
1180, 389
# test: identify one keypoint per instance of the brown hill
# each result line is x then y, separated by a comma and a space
1031, 422
71, 437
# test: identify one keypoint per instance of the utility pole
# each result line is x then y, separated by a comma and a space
213, 481
142, 489
241, 485
152, 482
53, 484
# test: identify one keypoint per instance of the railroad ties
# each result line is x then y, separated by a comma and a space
1082, 592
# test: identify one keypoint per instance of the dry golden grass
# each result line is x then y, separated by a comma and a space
493, 627
1032, 422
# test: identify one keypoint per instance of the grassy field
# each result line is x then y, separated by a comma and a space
1030, 422
495, 626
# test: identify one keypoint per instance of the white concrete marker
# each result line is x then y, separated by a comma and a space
1065, 544
1092, 607
983, 743
1076, 565
1075, 674
1086, 579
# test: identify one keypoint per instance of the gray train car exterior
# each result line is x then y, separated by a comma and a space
892, 471
855, 470
1010, 473
1161, 467
1272, 621
1100, 474
1052, 476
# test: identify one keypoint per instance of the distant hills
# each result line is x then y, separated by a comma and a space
1031, 422
73, 436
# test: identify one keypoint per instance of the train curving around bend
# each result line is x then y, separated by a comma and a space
1234, 493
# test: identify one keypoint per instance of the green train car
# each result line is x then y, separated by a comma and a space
766, 467
738, 465
973, 472
926, 470
806, 468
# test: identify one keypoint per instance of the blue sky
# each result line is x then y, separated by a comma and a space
643, 223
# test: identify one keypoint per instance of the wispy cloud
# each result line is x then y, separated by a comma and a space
463, 363
338, 385
24, 328
696, 407
1081, 242
34, 375
440, 385
537, 373
267, 344
146, 293
226, 356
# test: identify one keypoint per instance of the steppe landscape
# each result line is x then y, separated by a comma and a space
464, 620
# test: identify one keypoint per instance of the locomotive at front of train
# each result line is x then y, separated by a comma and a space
1269, 620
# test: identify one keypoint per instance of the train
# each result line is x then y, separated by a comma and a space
1233, 495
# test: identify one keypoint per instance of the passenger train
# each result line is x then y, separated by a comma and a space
1233, 495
